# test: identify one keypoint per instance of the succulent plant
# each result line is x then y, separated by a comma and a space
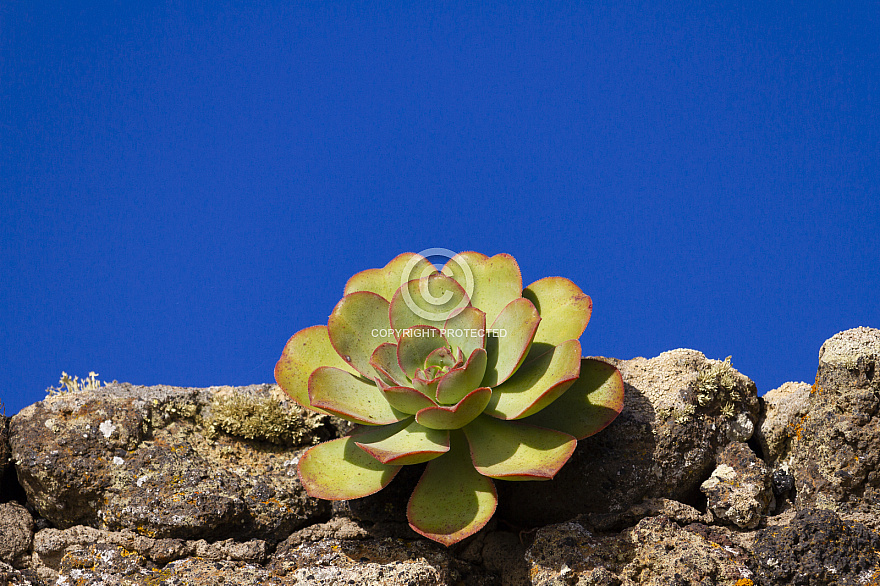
460, 368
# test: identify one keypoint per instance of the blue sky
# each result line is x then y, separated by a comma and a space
184, 188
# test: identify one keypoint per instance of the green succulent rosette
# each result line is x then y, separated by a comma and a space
460, 368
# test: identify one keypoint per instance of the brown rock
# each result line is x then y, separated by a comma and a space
156, 460
10, 576
739, 490
835, 451
17, 531
679, 512
50, 546
503, 554
679, 410
4, 448
657, 551
380, 561
783, 410
666, 554
815, 549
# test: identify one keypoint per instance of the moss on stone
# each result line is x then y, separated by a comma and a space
257, 418
718, 383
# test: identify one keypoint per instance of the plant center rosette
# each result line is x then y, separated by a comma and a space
462, 369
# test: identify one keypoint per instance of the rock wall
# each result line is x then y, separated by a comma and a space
697, 482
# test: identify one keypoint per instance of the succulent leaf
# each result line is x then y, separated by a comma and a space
424, 385
403, 443
497, 280
351, 397
429, 301
407, 354
304, 352
452, 500
385, 281
415, 345
565, 309
407, 400
589, 405
460, 381
384, 361
340, 470
458, 415
466, 330
355, 328
442, 358
537, 383
511, 450
515, 328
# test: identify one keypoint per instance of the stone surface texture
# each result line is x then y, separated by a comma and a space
155, 460
4, 443
698, 482
784, 408
680, 409
817, 548
834, 454
739, 490
16, 533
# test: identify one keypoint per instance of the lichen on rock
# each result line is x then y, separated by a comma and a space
739, 490
262, 418
815, 549
834, 451
140, 458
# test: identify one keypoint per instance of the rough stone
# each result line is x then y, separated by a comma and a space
834, 453
503, 554
739, 491
50, 546
10, 576
657, 551
680, 409
569, 548
330, 562
17, 529
632, 511
678, 512
155, 460
335, 528
783, 410
666, 554
4, 448
382, 561
815, 549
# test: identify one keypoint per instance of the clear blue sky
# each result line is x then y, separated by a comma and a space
183, 188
